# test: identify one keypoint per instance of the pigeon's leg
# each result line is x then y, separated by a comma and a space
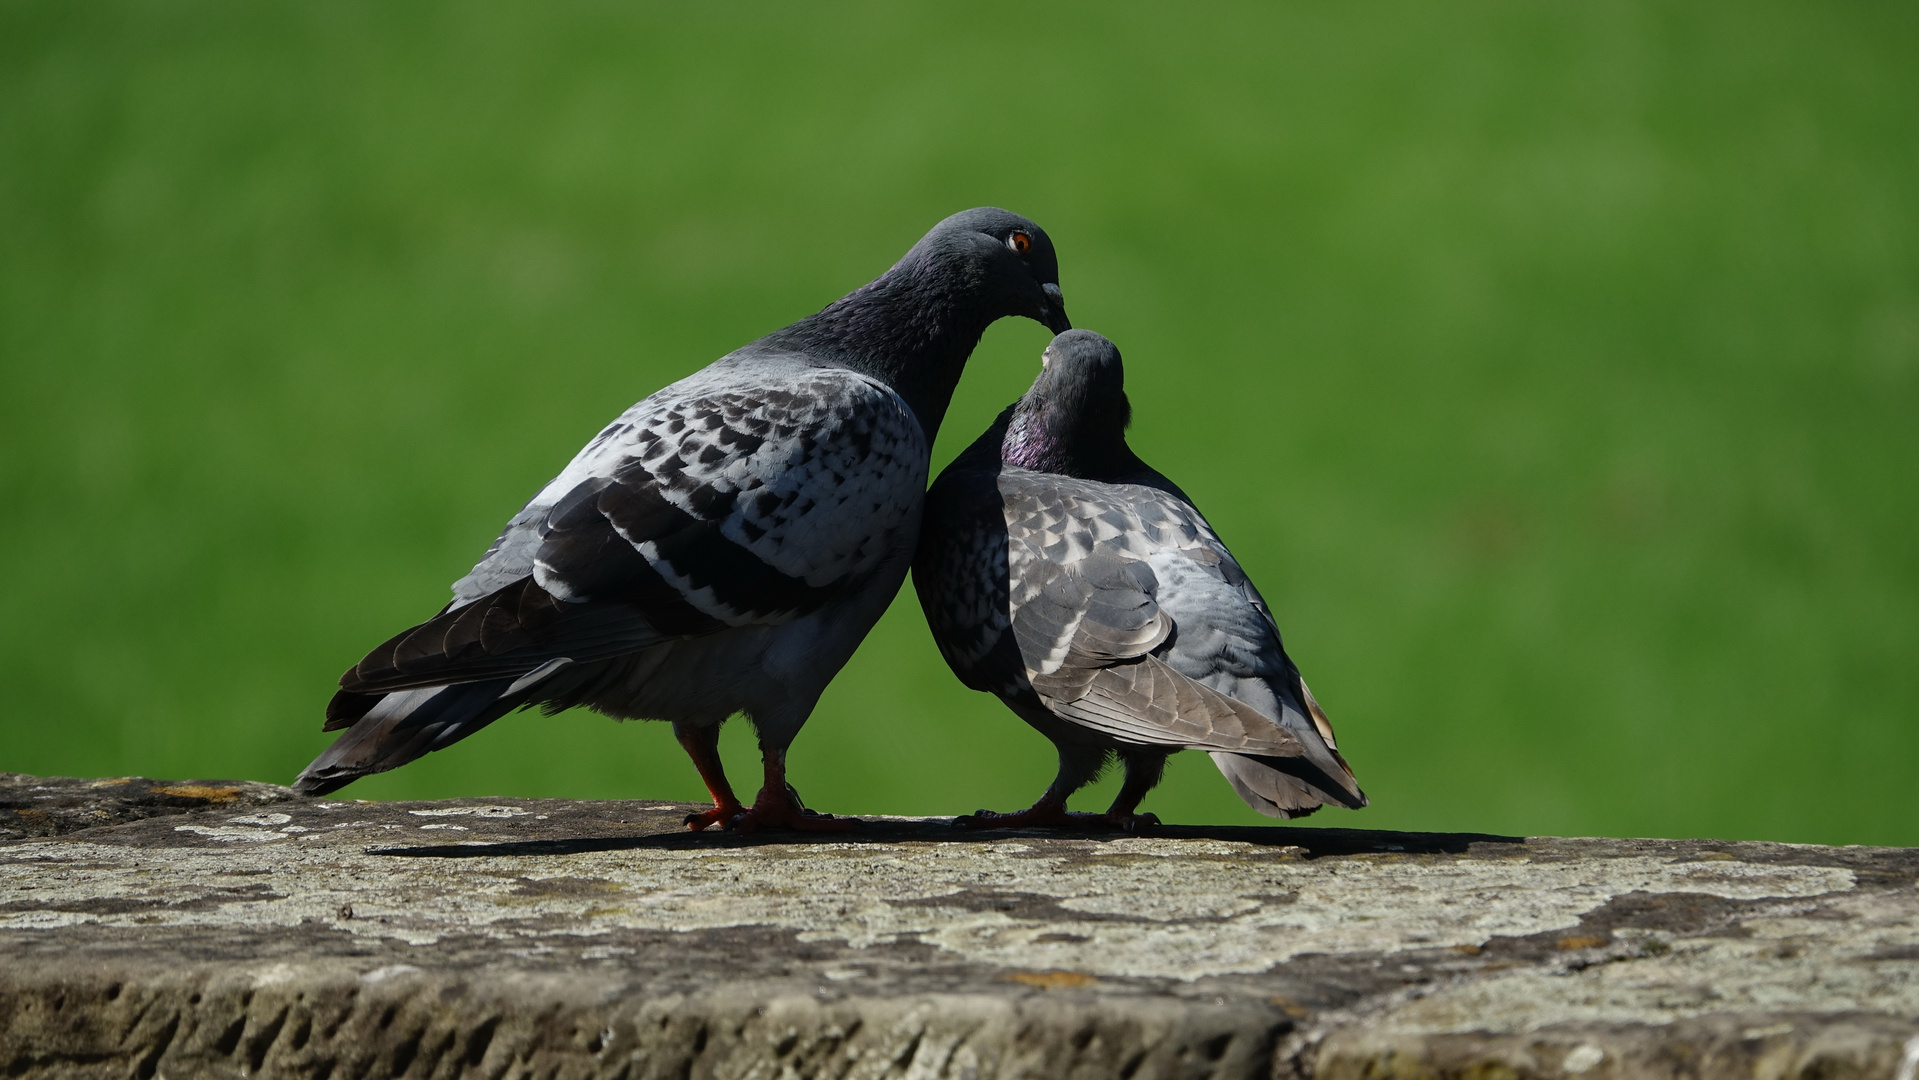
1143, 770
1078, 764
778, 805
702, 743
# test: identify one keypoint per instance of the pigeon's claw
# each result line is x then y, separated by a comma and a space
1038, 816
1051, 815
1130, 823
718, 815
797, 818
778, 807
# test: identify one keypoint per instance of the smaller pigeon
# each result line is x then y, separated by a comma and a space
1060, 572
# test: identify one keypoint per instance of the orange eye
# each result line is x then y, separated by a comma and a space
1019, 242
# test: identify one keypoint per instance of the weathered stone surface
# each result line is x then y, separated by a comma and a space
146, 934
32, 806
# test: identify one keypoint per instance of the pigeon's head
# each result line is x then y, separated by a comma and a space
1007, 258
1073, 420
914, 326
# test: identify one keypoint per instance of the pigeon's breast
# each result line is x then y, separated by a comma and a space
961, 574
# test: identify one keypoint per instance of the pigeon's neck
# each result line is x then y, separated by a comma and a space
1046, 438
912, 329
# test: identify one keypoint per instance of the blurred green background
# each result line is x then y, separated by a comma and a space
1553, 368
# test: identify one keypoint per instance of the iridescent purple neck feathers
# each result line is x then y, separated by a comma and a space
1073, 420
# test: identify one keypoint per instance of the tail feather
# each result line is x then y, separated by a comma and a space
347, 707
402, 726
1291, 787
1288, 787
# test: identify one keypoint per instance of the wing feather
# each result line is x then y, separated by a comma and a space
1087, 615
721, 501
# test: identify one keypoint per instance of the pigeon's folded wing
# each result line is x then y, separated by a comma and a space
1083, 612
713, 504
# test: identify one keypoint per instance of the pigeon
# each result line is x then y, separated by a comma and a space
724, 545
1064, 575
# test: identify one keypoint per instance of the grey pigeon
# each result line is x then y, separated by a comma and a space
1063, 574
724, 545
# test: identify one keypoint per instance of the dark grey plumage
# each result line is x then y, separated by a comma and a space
1063, 574
724, 545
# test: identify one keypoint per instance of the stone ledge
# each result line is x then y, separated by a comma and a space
55, 806
217, 929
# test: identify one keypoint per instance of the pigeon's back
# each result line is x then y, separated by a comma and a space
765, 437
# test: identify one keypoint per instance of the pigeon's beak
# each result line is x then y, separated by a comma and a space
1053, 311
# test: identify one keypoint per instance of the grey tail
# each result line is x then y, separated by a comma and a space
395, 728
1289, 787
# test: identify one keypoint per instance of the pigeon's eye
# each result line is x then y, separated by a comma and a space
1019, 242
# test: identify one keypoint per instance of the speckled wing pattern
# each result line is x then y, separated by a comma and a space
736, 496
1097, 640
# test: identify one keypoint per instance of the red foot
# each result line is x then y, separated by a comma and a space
784, 811
721, 814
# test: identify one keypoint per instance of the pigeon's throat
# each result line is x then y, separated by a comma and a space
1031, 444
1044, 440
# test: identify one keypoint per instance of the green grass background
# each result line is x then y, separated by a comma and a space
1553, 368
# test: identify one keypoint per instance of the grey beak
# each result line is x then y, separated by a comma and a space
1053, 311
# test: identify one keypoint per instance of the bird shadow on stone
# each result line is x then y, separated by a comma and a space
1313, 843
